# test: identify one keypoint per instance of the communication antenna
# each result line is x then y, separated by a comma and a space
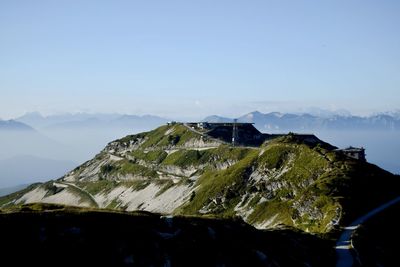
235, 136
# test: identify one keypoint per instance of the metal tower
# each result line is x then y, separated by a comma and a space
235, 136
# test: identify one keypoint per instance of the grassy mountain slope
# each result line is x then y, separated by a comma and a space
175, 170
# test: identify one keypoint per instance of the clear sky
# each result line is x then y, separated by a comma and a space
194, 58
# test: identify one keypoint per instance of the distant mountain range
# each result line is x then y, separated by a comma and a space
17, 138
283, 122
28, 155
90, 121
268, 122
83, 134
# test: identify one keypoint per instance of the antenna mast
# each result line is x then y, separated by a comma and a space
235, 136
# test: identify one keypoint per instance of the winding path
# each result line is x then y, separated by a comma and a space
90, 196
344, 245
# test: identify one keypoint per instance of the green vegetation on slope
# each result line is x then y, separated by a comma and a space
183, 158
299, 186
154, 156
222, 154
178, 136
95, 187
127, 167
226, 184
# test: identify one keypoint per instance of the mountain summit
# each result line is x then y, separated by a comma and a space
193, 169
12, 125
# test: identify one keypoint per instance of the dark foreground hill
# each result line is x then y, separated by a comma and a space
53, 235
376, 242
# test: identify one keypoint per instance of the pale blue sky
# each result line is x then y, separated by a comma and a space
198, 57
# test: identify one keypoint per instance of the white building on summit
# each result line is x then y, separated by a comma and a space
354, 152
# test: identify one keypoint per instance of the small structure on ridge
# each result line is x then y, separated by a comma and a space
354, 152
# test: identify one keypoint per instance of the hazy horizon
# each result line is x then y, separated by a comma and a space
312, 110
